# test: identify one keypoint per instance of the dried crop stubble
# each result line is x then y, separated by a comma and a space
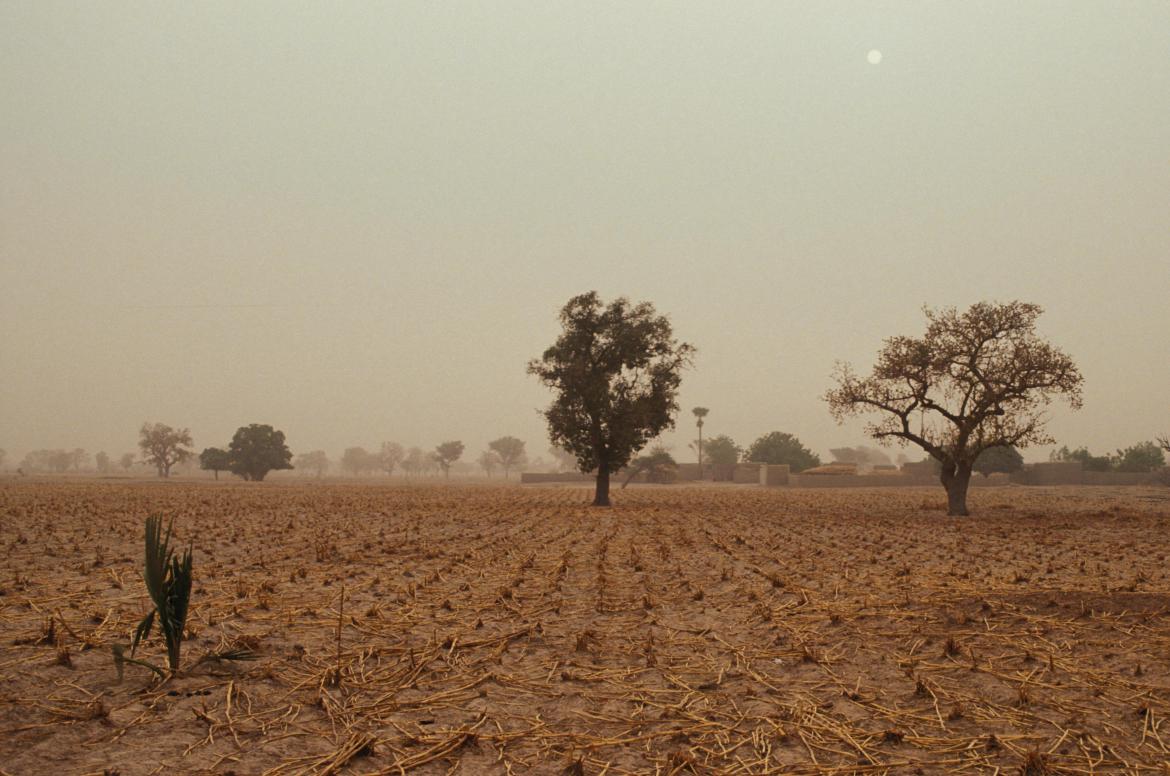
508, 630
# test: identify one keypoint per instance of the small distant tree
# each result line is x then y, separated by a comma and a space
977, 379
446, 454
430, 465
489, 461
1004, 460
3, 455
1142, 457
257, 449
1088, 461
162, 446
510, 451
215, 459
102, 461
700, 413
316, 462
414, 461
126, 461
60, 461
358, 461
78, 458
390, 457
720, 450
615, 370
658, 464
779, 447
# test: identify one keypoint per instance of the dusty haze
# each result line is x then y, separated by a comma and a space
358, 222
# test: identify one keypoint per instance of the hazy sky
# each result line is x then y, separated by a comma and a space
358, 221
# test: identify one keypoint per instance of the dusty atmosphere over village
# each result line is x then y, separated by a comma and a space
585, 389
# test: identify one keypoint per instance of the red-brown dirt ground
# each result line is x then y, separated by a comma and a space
508, 630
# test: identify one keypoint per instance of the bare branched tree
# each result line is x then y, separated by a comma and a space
163, 446
976, 380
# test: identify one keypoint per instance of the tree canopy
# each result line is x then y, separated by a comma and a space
489, 461
1142, 457
658, 464
390, 457
415, 461
1003, 460
720, 450
358, 461
1088, 461
316, 461
615, 370
446, 454
257, 449
162, 446
214, 459
510, 451
779, 447
976, 379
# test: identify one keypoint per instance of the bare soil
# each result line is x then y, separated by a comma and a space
507, 630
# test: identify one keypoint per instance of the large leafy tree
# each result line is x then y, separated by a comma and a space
510, 451
257, 449
976, 379
162, 446
446, 454
616, 370
215, 459
779, 447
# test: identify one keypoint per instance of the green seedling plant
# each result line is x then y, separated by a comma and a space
168, 581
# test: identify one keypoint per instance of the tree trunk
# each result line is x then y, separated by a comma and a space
601, 494
956, 478
217, 475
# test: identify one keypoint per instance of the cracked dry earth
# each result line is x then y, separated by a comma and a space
507, 630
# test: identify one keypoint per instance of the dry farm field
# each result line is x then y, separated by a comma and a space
508, 630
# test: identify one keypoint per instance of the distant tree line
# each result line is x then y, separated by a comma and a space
1142, 457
